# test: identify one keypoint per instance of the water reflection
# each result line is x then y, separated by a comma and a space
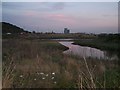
84, 51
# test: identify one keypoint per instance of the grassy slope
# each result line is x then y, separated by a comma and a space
24, 60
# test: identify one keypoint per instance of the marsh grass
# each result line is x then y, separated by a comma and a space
100, 43
41, 64
8, 75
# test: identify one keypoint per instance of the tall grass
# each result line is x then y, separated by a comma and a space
8, 74
41, 64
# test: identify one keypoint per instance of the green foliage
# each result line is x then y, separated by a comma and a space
30, 57
9, 28
110, 78
104, 42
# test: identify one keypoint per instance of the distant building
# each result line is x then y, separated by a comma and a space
66, 31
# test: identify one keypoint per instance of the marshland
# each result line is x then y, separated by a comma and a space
62, 45
35, 62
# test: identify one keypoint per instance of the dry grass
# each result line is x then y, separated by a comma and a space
41, 64
8, 75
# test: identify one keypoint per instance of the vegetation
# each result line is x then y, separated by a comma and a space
41, 64
31, 62
103, 41
9, 28
13, 31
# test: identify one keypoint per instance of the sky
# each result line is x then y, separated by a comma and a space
60, 0
89, 17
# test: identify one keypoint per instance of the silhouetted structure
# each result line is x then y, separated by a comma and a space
66, 31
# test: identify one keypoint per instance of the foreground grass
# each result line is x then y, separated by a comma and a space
41, 64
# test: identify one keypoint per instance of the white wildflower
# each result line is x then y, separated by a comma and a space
54, 82
53, 73
52, 77
43, 78
35, 79
41, 73
21, 76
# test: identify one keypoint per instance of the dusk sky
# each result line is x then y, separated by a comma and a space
90, 17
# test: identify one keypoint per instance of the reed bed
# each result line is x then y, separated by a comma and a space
41, 64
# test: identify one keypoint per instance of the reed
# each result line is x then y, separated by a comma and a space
41, 64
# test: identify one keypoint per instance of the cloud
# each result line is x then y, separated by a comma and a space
59, 6
108, 15
33, 6
44, 15
51, 6
61, 18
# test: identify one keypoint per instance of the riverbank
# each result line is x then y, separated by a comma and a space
36, 63
103, 44
88, 52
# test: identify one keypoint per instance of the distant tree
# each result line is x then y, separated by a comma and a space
33, 32
53, 32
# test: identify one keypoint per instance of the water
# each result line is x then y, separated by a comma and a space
84, 51
63, 39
